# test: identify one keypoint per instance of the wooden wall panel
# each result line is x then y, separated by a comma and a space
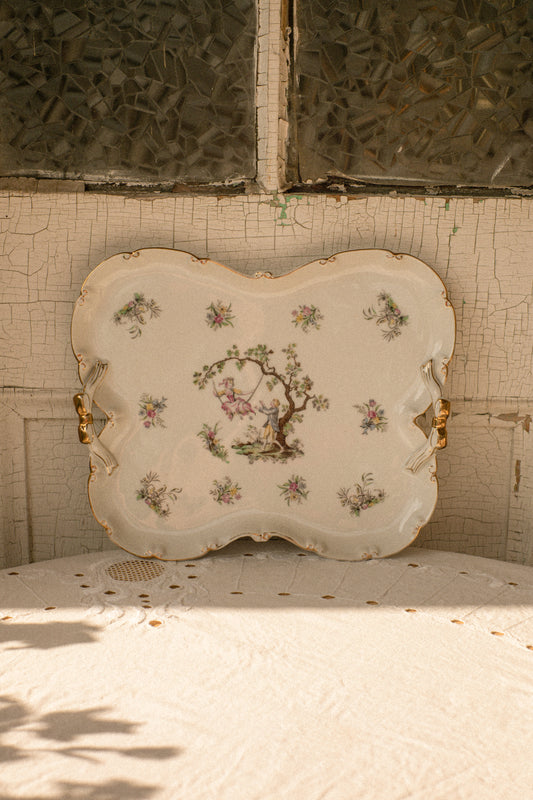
474, 474
61, 521
50, 241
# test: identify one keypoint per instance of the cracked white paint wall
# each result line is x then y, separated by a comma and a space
480, 248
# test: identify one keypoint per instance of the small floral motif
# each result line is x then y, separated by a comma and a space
150, 411
307, 317
210, 438
156, 497
360, 496
294, 490
219, 315
388, 314
374, 418
226, 491
134, 313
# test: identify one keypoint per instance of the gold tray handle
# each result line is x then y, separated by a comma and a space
85, 417
438, 437
83, 403
439, 423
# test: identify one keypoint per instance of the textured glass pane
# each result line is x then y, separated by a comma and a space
154, 90
409, 90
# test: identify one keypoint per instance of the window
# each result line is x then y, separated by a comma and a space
401, 92
411, 91
129, 90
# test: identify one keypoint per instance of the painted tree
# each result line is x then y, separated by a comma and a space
295, 387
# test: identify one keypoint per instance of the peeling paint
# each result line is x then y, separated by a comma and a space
516, 486
282, 203
525, 419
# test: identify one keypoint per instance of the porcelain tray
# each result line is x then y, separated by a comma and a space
259, 406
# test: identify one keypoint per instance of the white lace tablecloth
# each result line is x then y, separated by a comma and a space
265, 673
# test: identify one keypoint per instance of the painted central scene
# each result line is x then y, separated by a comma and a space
259, 397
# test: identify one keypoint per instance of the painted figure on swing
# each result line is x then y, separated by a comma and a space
234, 403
